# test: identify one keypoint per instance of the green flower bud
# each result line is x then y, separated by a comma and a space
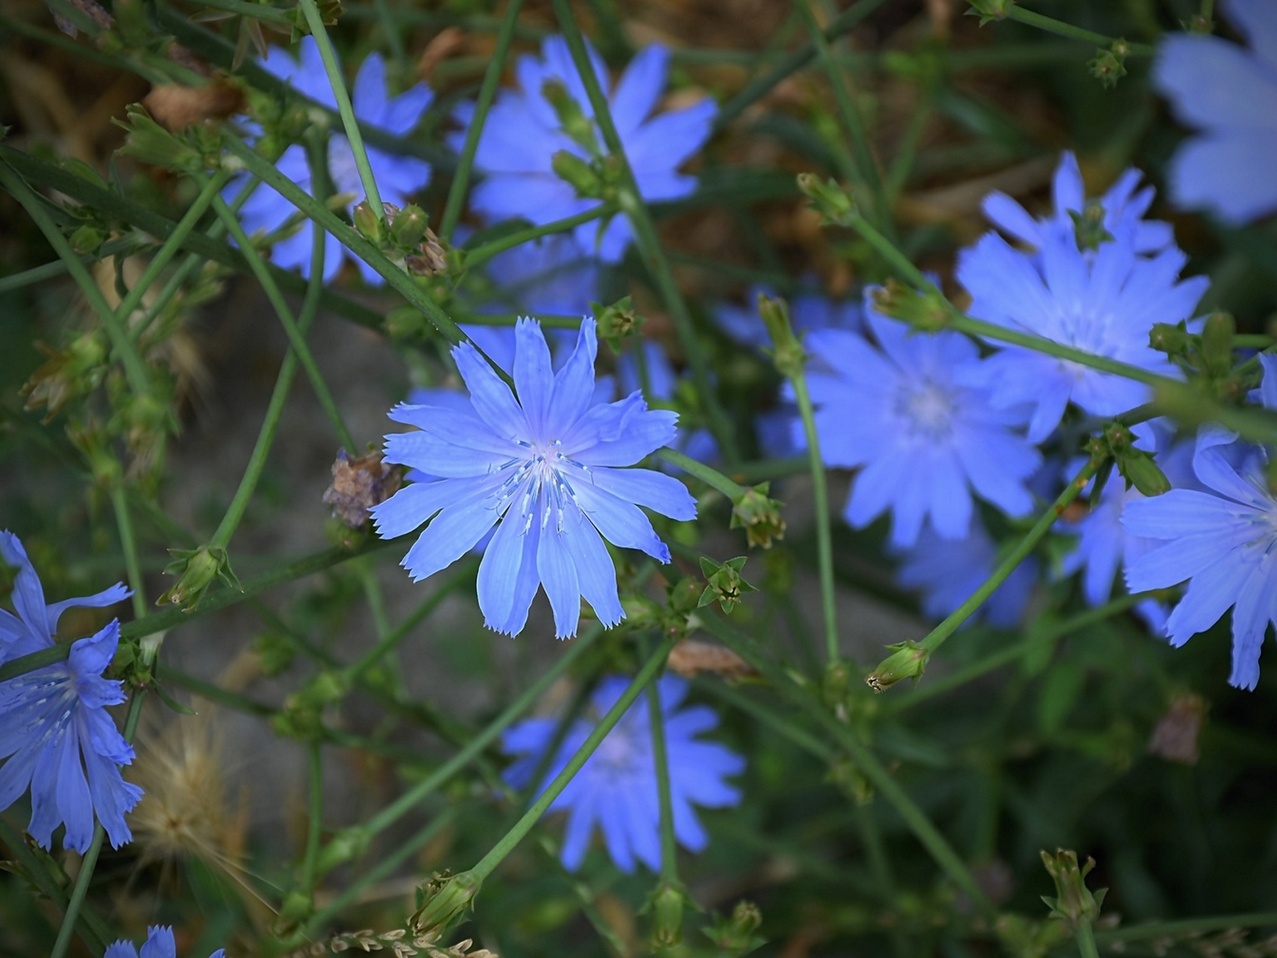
196, 569
579, 174
989, 10
908, 662
616, 322
667, 903
758, 515
1088, 226
345, 846
444, 899
572, 119
1172, 339
1074, 902
368, 223
1217, 344
831, 201
787, 351
408, 226
926, 310
725, 583
735, 935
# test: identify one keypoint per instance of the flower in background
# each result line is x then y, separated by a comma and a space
1103, 301
159, 944
808, 310
616, 787
54, 727
948, 571
923, 441
540, 464
550, 275
398, 177
523, 132
1221, 539
698, 444
1229, 94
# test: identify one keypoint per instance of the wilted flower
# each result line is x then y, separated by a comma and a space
540, 464
616, 788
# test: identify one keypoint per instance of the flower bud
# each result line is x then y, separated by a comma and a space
926, 310
908, 662
831, 201
735, 935
1217, 344
578, 173
787, 351
758, 515
666, 904
725, 583
1074, 902
368, 223
444, 899
196, 570
408, 226
572, 119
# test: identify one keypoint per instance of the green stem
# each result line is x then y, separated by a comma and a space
347, 112
134, 368
861, 755
857, 164
481, 254
1085, 939
664, 798
756, 89
820, 496
936, 637
314, 826
706, 474
347, 236
631, 203
275, 407
170, 247
1186, 926
486, 865
1062, 29
121, 246
128, 545
295, 338
487, 91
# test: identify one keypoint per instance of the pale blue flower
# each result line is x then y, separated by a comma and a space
948, 572
1221, 539
1124, 208
924, 442
54, 727
159, 943
698, 444
398, 177
549, 275
522, 133
616, 787
1103, 302
1229, 94
542, 465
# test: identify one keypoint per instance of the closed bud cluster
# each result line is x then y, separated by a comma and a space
1074, 903
735, 934
726, 586
787, 351
196, 570
927, 311
444, 899
1109, 65
667, 904
582, 175
831, 201
908, 661
74, 371
1089, 228
616, 322
759, 515
572, 119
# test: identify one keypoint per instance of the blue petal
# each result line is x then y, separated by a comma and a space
450, 535
508, 576
28, 594
596, 575
558, 577
533, 373
645, 487
574, 383
414, 504
159, 943
621, 523
492, 398
639, 88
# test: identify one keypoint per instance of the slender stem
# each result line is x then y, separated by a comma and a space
664, 798
936, 637
481, 254
486, 865
348, 236
631, 203
857, 162
861, 755
314, 826
820, 496
487, 91
1085, 939
347, 112
170, 247
295, 338
128, 545
123, 245
756, 89
252, 11
1186, 926
134, 368
1060, 28
706, 474
275, 407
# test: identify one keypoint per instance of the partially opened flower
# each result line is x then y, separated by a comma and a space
1222, 540
924, 443
55, 733
616, 787
523, 132
1103, 301
540, 463
1229, 94
398, 176
159, 943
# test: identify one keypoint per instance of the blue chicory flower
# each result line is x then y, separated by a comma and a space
1229, 94
398, 177
54, 727
923, 441
1221, 539
542, 465
159, 943
522, 133
948, 571
1103, 301
616, 787
549, 275
698, 444
1124, 208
